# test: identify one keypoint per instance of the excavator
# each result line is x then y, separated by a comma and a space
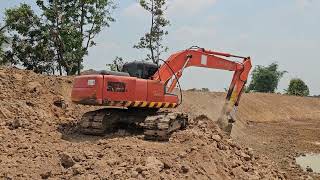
139, 93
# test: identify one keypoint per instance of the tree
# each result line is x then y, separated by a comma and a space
297, 88
30, 44
116, 64
74, 26
60, 37
3, 41
205, 90
152, 40
266, 79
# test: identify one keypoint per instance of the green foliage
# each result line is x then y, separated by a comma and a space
205, 90
297, 88
74, 25
60, 37
266, 79
201, 90
116, 64
152, 40
192, 89
3, 41
30, 45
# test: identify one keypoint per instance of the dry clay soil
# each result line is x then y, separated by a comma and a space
39, 137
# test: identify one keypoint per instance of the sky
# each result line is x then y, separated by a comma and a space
285, 31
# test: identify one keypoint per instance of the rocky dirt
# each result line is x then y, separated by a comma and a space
39, 138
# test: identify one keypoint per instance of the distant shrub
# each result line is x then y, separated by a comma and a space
297, 88
265, 78
205, 89
202, 89
193, 89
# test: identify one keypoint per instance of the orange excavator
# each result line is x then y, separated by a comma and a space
137, 93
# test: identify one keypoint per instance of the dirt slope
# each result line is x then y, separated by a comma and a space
39, 139
272, 107
255, 107
281, 127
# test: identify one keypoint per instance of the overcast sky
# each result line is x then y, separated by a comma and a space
286, 31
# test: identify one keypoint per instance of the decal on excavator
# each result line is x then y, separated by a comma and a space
116, 87
204, 59
91, 82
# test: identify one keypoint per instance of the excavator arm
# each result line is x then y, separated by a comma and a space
171, 71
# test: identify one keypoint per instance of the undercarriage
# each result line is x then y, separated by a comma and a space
157, 125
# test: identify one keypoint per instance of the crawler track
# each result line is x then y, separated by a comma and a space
157, 125
93, 123
160, 127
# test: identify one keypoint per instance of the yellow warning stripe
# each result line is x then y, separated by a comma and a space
141, 104
136, 104
166, 105
128, 104
144, 104
151, 105
159, 105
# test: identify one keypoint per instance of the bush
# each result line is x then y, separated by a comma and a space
205, 90
297, 88
265, 79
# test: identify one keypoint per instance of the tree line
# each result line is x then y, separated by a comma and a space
56, 40
266, 79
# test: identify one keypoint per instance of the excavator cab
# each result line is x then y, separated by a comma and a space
140, 69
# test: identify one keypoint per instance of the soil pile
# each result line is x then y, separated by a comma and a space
39, 139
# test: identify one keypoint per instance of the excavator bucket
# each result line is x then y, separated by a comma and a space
227, 117
228, 114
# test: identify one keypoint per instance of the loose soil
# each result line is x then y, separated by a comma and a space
39, 137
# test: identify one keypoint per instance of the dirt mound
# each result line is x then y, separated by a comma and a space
39, 139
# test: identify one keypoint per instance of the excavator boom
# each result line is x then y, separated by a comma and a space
173, 68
